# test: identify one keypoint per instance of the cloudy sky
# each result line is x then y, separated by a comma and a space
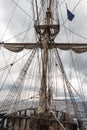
20, 21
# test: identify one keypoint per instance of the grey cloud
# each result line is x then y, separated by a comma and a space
79, 23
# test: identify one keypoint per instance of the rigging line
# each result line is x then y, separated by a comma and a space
41, 8
22, 9
66, 100
84, 80
37, 12
75, 91
35, 88
58, 120
33, 12
21, 57
81, 91
79, 82
76, 33
50, 2
61, 3
6, 64
12, 15
75, 106
31, 81
23, 100
5, 67
11, 64
14, 89
26, 33
18, 34
5, 79
29, 1
57, 10
77, 5
38, 58
24, 22
64, 25
72, 11
78, 94
8, 71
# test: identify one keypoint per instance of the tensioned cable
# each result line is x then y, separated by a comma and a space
61, 2
33, 9
73, 62
76, 33
64, 88
31, 71
6, 64
75, 90
37, 12
42, 5
22, 9
18, 34
24, 22
23, 100
35, 87
11, 64
12, 90
5, 67
77, 5
71, 54
64, 25
26, 32
9, 21
79, 81
72, 11
5, 78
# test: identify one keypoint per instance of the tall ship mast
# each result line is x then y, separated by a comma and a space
36, 105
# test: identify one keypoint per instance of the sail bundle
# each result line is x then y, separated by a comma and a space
17, 47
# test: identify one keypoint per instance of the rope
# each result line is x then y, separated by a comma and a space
58, 121
76, 5
22, 9
18, 34
9, 21
11, 64
37, 12
76, 33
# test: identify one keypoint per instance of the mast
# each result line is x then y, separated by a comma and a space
43, 89
47, 33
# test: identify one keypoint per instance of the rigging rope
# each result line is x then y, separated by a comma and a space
18, 34
11, 64
77, 76
37, 12
7, 67
13, 93
77, 5
77, 114
76, 33
9, 21
22, 9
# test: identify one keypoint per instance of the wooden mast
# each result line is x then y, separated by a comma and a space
43, 89
47, 35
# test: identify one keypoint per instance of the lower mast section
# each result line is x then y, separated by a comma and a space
43, 103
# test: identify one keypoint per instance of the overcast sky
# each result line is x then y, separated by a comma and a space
20, 22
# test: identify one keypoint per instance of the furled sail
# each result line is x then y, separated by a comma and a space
17, 47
